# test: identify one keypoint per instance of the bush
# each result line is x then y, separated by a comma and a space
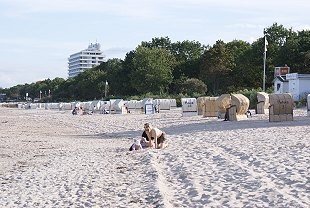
301, 103
193, 87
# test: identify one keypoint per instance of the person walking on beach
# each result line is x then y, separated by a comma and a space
157, 137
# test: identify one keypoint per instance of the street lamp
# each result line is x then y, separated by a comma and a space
106, 88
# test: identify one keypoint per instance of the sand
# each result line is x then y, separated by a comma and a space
54, 159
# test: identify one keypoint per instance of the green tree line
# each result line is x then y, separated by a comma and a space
164, 68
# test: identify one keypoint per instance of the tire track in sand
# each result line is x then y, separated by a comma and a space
162, 182
266, 181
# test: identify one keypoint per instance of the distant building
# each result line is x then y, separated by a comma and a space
85, 59
296, 84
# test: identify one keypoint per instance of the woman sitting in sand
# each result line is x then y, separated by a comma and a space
155, 136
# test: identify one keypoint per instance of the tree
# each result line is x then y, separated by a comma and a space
118, 76
65, 91
277, 37
217, 63
193, 87
289, 53
188, 56
304, 51
16, 92
89, 84
56, 91
244, 74
152, 70
162, 42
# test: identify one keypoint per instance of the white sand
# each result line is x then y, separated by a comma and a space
55, 159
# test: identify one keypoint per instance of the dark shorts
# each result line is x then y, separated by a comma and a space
162, 138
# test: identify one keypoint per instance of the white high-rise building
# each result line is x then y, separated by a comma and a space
85, 59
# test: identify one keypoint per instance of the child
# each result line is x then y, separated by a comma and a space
136, 145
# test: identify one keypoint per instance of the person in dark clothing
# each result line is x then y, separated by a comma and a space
145, 136
75, 111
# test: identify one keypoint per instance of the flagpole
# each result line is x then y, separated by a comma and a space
264, 78
265, 52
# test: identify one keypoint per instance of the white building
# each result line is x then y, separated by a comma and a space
281, 85
296, 84
85, 59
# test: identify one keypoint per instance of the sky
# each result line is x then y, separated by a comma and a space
38, 36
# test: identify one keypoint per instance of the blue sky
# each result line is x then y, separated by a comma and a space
37, 36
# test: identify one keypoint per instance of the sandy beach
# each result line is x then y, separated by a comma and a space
54, 159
